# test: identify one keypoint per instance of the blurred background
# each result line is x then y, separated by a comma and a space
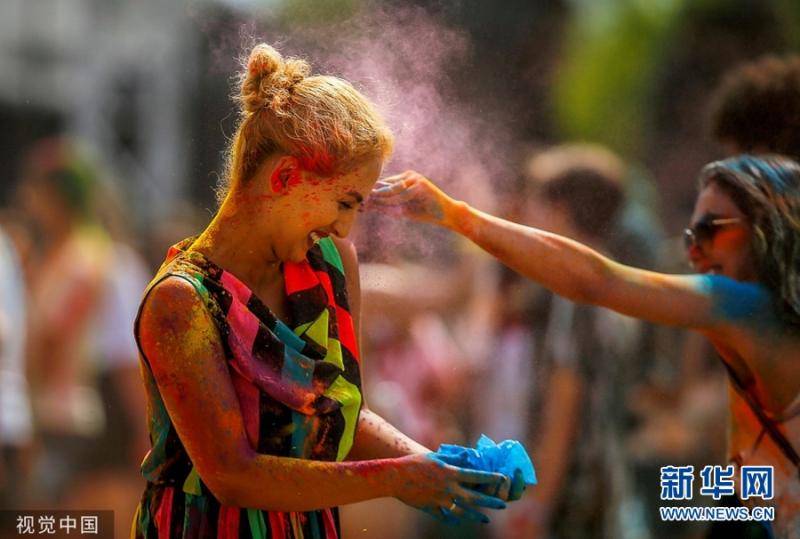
588, 118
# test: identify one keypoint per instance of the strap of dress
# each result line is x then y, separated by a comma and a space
769, 424
791, 411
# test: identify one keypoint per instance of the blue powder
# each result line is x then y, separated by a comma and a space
508, 458
737, 301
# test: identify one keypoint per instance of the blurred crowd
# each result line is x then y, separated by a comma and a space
72, 407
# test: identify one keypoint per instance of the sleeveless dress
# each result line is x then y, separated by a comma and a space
299, 390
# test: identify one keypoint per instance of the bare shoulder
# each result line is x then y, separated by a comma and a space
347, 250
173, 299
741, 305
175, 322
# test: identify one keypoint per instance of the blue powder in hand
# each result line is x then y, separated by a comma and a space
507, 458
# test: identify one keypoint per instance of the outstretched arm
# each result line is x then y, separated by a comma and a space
562, 265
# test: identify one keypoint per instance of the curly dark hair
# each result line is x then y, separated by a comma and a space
767, 190
757, 106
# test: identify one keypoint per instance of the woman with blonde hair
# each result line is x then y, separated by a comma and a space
249, 336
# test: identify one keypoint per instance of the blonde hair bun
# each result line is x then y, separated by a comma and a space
323, 121
269, 79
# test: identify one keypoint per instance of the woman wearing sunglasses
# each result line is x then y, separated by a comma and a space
744, 243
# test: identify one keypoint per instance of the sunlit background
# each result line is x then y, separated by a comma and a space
471, 89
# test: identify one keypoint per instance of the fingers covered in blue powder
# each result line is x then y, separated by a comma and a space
508, 458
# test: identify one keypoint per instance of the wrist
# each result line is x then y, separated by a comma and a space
394, 474
456, 215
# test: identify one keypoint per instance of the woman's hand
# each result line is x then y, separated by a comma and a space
443, 491
414, 196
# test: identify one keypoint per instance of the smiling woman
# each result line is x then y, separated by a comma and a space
249, 336
745, 243
763, 245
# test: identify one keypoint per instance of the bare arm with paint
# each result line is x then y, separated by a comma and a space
375, 437
184, 349
567, 267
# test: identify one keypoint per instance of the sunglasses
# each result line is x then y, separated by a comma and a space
705, 229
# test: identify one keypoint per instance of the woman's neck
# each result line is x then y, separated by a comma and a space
234, 242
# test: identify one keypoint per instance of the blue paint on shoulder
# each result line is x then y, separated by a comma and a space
738, 301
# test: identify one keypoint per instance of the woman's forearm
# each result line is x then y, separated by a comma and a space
275, 483
286, 484
376, 438
564, 266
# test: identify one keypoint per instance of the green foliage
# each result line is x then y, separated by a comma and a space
611, 57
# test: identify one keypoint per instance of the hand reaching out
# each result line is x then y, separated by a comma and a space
414, 196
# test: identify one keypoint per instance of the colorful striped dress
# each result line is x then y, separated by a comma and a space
299, 390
